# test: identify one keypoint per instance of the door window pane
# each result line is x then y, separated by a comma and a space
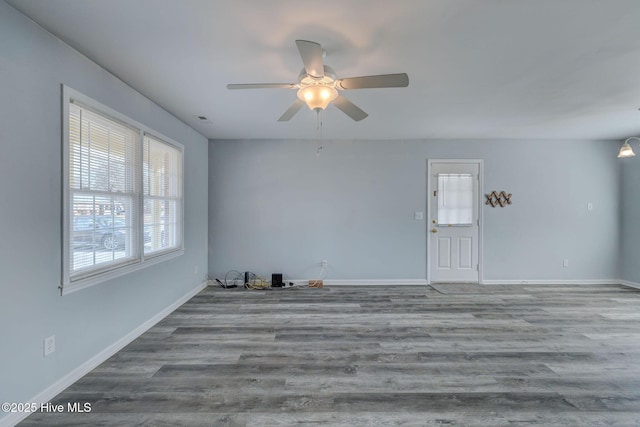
455, 199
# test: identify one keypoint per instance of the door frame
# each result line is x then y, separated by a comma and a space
480, 164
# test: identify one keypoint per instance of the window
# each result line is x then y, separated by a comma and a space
455, 199
162, 178
122, 194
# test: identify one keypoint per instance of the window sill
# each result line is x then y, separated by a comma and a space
85, 282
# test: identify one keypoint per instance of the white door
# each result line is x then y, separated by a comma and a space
453, 227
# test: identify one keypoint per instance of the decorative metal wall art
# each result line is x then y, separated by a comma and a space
494, 199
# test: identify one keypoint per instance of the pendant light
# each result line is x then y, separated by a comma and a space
626, 150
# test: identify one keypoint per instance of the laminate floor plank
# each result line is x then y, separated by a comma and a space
444, 354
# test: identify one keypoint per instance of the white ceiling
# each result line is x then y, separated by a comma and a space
477, 68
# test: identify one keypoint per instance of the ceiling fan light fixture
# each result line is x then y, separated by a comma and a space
626, 150
318, 84
317, 96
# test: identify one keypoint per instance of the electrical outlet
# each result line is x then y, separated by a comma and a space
325, 263
195, 270
565, 263
49, 345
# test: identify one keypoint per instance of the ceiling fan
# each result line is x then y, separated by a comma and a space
318, 85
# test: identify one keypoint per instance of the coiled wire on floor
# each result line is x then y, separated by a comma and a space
249, 280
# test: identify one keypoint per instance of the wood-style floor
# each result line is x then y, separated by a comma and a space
467, 355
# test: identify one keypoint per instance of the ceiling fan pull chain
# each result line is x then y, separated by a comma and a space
319, 131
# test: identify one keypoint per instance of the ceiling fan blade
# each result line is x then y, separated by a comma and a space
295, 107
349, 108
311, 53
263, 86
369, 82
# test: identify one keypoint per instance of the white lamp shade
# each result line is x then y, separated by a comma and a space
317, 96
626, 151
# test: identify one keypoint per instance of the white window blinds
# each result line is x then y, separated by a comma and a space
122, 194
104, 194
162, 182
455, 199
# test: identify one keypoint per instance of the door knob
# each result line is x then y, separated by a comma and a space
434, 230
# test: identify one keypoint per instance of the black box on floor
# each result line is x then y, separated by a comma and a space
276, 280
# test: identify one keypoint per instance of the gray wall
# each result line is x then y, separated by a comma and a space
33, 64
274, 206
630, 246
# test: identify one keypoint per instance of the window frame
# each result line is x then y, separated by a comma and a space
180, 205
69, 282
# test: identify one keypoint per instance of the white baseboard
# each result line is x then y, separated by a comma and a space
423, 282
56, 388
630, 284
552, 282
374, 282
